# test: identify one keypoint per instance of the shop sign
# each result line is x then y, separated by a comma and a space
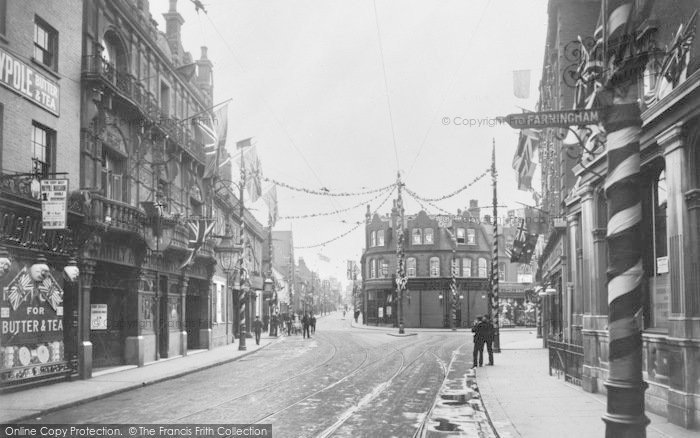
54, 204
662, 265
98, 317
552, 119
380, 312
29, 83
31, 327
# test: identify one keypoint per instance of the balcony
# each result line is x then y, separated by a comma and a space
116, 215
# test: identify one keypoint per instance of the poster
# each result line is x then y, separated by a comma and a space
98, 317
54, 204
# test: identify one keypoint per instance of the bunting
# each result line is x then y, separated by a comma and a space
270, 199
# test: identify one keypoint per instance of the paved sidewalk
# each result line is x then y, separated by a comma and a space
31, 403
523, 400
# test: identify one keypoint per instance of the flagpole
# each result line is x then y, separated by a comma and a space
242, 295
494, 262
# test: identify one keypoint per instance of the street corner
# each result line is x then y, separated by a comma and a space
402, 335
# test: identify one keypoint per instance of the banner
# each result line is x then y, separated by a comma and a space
29, 83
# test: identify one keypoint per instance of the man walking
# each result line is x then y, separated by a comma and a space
481, 329
312, 321
257, 327
306, 322
489, 339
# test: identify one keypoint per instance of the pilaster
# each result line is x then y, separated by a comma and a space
184, 282
87, 273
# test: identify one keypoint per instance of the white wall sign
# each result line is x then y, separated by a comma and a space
98, 317
662, 265
54, 204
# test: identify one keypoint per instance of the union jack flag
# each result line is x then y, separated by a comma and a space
200, 229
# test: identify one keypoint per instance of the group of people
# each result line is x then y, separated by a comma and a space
483, 330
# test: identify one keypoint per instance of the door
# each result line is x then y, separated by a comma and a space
192, 321
163, 318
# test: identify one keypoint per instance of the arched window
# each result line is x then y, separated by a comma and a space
466, 267
410, 267
373, 238
434, 267
380, 238
482, 267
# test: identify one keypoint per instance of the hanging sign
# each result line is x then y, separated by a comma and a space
54, 204
28, 82
553, 119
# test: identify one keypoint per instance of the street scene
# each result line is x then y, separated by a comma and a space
377, 218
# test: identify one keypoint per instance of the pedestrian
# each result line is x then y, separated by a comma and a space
357, 315
257, 327
273, 325
289, 324
481, 331
306, 322
312, 320
490, 332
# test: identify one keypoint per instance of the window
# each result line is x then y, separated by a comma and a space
43, 149
471, 236
373, 238
410, 267
416, 236
466, 267
384, 272
373, 268
380, 238
164, 99
455, 267
482, 267
460, 236
428, 236
501, 272
112, 175
660, 282
660, 203
434, 267
3, 16
45, 44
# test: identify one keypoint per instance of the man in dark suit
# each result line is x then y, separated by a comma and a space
257, 328
482, 332
306, 322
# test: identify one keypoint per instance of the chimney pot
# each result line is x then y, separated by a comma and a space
173, 6
204, 53
473, 203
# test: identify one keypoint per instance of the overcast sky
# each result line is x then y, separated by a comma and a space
307, 82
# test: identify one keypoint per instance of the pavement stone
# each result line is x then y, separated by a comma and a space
34, 402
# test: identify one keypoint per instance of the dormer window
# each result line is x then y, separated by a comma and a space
471, 236
428, 236
461, 239
416, 236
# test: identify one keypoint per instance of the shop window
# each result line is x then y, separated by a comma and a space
466, 267
43, 149
411, 267
380, 238
659, 284
45, 44
428, 236
434, 267
471, 236
373, 238
461, 236
482, 267
416, 236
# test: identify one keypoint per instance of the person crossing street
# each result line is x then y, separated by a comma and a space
257, 328
482, 330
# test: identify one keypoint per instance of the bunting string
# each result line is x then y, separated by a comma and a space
330, 213
456, 192
420, 202
326, 192
351, 229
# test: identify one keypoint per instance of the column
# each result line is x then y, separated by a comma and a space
591, 319
184, 282
681, 356
577, 293
205, 316
87, 272
134, 344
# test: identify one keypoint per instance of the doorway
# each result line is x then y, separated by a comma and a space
163, 319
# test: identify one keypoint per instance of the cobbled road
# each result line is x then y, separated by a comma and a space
343, 382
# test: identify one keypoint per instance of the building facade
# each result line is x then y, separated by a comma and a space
670, 231
39, 141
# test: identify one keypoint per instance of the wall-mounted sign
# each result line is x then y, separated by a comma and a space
54, 204
551, 119
31, 322
662, 265
380, 312
98, 317
29, 83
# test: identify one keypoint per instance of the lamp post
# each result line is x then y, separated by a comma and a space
226, 252
269, 289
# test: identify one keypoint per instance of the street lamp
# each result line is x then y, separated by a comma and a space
226, 253
269, 290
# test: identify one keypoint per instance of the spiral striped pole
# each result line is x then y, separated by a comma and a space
400, 260
625, 386
453, 287
495, 308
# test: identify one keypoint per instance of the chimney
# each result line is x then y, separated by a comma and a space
487, 219
204, 79
474, 209
173, 27
368, 215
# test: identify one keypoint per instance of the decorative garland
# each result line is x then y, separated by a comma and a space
422, 206
325, 192
330, 213
351, 229
456, 192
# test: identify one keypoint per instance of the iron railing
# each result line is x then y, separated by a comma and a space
566, 360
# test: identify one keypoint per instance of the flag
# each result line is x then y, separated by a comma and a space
253, 172
323, 258
200, 230
270, 199
214, 132
187, 71
521, 84
523, 160
244, 143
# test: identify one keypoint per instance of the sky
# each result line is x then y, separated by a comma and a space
343, 94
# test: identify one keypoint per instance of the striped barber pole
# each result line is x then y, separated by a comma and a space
453, 294
625, 385
494, 260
